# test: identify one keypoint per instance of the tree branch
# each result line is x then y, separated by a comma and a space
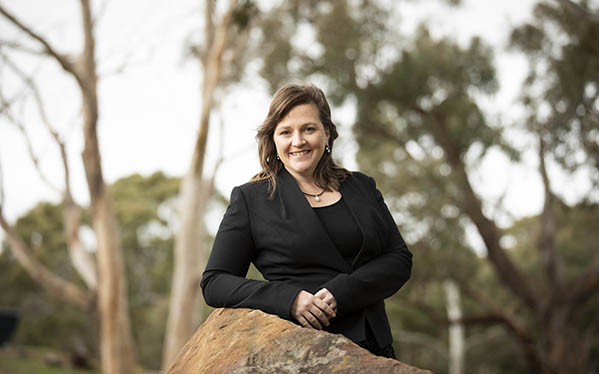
208, 29
21, 127
472, 206
585, 286
21, 48
578, 10
439, 317
60, 58
516, 326
546, 245
42, 111
212, 70
47, 279
1, 188
81, 259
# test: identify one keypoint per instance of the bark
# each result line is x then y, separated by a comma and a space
189, 252
117, 349
547, 246
509, 274
83, 261
456, 329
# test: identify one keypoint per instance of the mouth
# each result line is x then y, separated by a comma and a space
299, 153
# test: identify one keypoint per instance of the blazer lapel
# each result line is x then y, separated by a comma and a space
355, 202
296, 208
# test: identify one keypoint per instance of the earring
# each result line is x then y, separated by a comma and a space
326, 148
278, 157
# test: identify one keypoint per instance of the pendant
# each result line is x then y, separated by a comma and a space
316, 198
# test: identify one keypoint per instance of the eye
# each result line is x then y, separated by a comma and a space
285, 132
310, 129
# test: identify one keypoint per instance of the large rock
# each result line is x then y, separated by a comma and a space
235, 341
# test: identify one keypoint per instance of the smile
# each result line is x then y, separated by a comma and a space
299, 153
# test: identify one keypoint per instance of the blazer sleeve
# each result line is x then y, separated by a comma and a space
378, 279
224, 283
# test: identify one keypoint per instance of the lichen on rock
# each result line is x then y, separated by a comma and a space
246, 341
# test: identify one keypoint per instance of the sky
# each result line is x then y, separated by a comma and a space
149, 97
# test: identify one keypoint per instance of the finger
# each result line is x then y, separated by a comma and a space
325, 295
313, 320
304, 322
323, 319
326, 308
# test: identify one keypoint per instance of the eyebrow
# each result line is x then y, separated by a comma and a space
303, 124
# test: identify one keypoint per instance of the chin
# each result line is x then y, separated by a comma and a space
300, 169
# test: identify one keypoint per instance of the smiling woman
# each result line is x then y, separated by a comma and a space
327, 245
301, 139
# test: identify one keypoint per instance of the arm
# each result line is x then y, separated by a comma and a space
379, 278
224, 283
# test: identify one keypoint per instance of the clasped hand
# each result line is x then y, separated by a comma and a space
314, 310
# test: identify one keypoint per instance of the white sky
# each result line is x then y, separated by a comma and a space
149, 113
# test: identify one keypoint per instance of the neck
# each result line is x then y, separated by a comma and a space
305, 182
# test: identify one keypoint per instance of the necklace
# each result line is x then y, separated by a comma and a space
316, 197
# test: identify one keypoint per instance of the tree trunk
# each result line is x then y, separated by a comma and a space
189, 263
456, 328
116, 342
189, 254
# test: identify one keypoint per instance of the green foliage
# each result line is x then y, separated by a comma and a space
563, 58
417, 114
146, 213
44, 319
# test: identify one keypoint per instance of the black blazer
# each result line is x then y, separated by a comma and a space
287, 243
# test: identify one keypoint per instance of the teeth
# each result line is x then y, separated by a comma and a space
301, 153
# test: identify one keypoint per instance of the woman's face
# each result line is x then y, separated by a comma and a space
300, 139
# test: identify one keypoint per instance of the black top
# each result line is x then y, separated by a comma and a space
342, 228
289, 245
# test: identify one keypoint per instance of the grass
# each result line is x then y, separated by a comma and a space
12, 363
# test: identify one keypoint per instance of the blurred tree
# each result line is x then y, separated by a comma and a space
561, 91
44, 319
222, 55
145, 209
117, 350
421, 135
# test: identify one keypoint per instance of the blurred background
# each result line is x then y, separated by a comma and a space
125, 125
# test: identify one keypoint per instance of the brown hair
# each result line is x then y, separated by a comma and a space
327, 175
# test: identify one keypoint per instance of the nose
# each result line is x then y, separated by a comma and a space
298, 139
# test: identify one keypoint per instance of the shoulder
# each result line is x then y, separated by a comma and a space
359, 178
251, 190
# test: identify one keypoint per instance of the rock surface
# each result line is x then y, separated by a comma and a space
236, 341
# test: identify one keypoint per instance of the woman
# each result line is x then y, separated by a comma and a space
321, 236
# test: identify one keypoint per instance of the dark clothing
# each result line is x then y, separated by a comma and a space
371, 345
342, 228
286, 241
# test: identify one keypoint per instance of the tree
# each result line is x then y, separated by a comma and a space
145, 208
116, 343
226, 36
421, 134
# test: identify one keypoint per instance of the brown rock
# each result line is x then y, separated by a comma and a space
236, 341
